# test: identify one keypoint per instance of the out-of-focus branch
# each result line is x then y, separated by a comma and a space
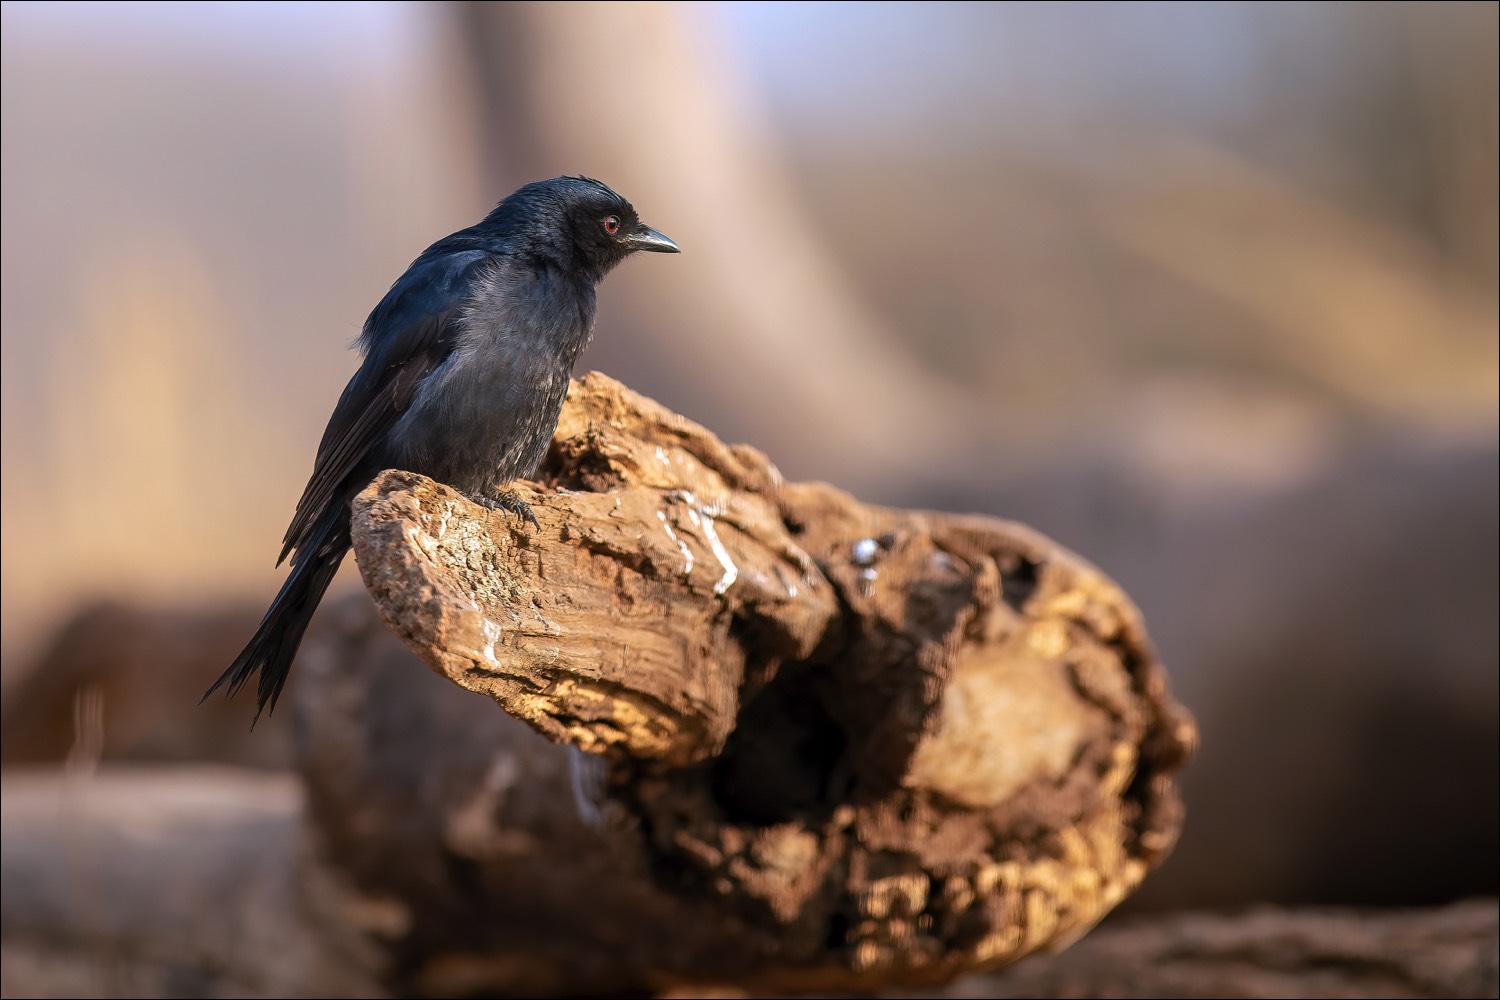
1271, 952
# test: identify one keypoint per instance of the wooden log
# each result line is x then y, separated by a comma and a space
839, 746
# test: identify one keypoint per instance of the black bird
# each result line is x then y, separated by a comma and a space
466, 363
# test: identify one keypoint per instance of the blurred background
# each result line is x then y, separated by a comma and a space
1207, 292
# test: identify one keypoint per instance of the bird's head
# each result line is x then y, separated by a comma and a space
581, 222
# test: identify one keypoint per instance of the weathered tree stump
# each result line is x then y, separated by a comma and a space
839, 746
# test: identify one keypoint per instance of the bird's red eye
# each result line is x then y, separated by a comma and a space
612, 225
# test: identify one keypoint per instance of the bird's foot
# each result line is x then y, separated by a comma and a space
511, 503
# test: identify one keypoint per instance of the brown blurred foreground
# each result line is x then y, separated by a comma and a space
208, 862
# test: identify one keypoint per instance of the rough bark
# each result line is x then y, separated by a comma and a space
840, 746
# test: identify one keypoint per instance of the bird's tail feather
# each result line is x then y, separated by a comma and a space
274, 645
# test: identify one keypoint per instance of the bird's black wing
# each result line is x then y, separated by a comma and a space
410, 333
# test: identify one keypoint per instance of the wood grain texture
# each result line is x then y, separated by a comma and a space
863, 745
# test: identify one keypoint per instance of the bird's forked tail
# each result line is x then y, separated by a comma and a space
274, 645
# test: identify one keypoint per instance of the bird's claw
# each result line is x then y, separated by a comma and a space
510, 503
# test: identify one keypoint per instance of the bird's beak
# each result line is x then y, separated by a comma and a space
652, 241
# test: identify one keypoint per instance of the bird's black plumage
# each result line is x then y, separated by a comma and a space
466, 363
